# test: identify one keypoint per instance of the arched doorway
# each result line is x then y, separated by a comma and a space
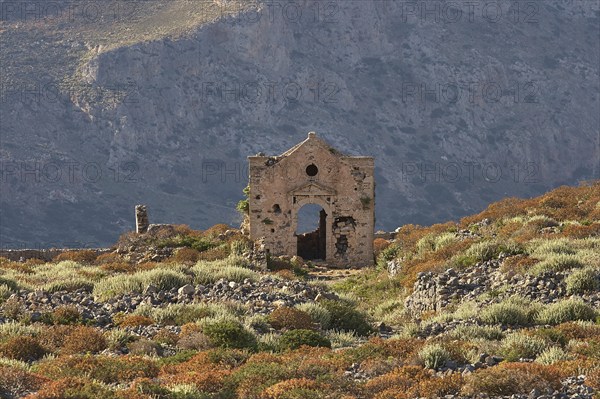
311, 232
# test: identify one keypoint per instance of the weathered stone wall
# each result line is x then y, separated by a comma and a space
312, 172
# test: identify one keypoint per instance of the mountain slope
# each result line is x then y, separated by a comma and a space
165, 110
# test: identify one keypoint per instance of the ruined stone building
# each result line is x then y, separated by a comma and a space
312, 172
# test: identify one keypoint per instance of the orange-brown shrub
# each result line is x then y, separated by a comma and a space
84, 339
290, 319
146, 266
190, 328
288, 389
410, 234
517, 264
404, 349
375, 367
81, 256
207, 370
312, 362
563, 203
66, 314
109, 257
207, 380
578, 366
511, 379
22, 348
510, 229
132, 320
21, 267
379, 244
106, 369
118, 267
53, 338
593, 379
15, 382
437, 387
186, 255
573, 330
72, 388
400, 379
220, 252
215, 230
450, 250
164, 336
286, 274
581, 231
195, 340
141, 388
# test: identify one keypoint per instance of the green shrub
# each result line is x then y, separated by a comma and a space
162, 279
564, 311
462, 261
200, 244
5, 292
116, 285
388, 254
178, 313
434, 356
552, 355
346, 318
543, 248
122, 284
342, 339
519, 345
317, 313
551, 335
557, 263
487, 250
513, 311
232, 268
229, 334
294, 339
70, 285
490, 333
11, 284
117, 338
484, 250
582, 281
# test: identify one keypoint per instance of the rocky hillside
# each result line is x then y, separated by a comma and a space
502, 304
160, 102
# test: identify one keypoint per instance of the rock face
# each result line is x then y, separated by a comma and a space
170, 120
312, 172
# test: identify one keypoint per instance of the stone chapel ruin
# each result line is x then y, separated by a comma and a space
312, 172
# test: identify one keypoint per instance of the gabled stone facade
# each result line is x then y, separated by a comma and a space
312, 172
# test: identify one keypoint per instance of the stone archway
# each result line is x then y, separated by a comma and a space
315, 244
311, 241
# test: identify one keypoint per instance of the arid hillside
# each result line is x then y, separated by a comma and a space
502, 304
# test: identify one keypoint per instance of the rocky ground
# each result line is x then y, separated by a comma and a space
260, 297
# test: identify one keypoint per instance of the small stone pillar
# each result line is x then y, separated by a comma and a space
141, 219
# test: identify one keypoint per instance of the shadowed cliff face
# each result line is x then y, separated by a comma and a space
461, 105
